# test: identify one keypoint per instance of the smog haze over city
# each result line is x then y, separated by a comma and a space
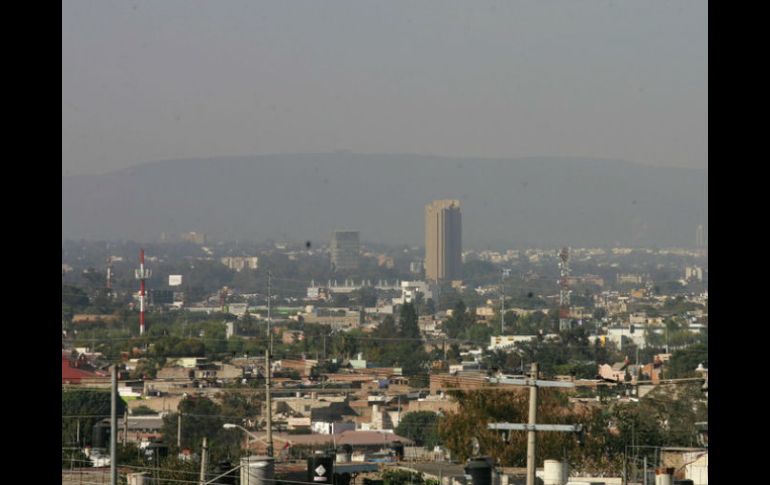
585, 123
384, 242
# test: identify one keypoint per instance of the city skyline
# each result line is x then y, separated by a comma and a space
572, 202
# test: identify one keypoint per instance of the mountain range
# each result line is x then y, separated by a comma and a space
544, 201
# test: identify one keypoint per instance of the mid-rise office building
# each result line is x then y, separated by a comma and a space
345, 250
443, 241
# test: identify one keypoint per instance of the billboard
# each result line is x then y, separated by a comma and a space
174, 280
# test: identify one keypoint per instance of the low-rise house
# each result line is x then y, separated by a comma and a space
436, 404
93, 318
508, 341
292, 336
688, 463
427, 324
302, 423
162, 404
617, 371
642, 319
75, 370
484, 313
303, 406
222, 372
176, 373
360, 441
200, 370
464, 381
633, 333
303, 367
140, 428
332, 427
352, 320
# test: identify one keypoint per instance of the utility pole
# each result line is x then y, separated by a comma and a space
204, 460
399, 409
269, 298
532, 427
269, 405
624, 480
268, 401
114, 427
125, 427
506, 272
531, 436
445, 351
179, 431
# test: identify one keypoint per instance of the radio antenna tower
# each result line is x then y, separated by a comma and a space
109, 275
141, 274
564, 291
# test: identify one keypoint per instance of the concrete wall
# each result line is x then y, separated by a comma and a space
159, 404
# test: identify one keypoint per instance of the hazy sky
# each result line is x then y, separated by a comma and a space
144, 81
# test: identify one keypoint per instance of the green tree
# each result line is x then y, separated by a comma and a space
346, 344
143, 411
683, 362
460, 321
202, 417
84, 408
409, 352
477, 408
430, 307
129, 454
407, 322
73, 300
479, 334
402, 477
386, 328
420, 426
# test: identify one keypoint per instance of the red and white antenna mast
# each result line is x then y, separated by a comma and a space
141, 274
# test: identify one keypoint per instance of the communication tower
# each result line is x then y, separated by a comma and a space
564, 291
141, 274
109, 276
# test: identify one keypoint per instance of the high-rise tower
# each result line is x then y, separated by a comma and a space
443, 240
700, 240
345, 249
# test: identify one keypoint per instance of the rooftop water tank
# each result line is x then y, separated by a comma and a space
257, 470
555, 472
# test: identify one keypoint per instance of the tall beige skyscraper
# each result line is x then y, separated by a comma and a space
443, 240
